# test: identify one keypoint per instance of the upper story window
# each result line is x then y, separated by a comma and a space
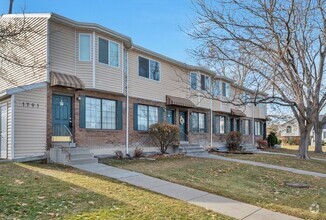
216, 91
108, 52
245, 97
193, 81
288, 129
150, 69
225, 89
84, 47
204, 83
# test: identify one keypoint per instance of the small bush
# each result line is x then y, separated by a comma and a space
138, 152
164, 135
233, 140
262, 144
118, 154
272, 139
279, 141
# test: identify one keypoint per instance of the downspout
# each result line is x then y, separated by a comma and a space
127, 104
12, 124
211, 131
253, 125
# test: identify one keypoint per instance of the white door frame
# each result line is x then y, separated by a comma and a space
4, 131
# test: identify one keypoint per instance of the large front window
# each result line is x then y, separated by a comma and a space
220, 125
149, 68
198, 122
147, 115
108, 52
101, 113
258, 128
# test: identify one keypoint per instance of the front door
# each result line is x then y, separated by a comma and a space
183, 126
3, 132
61, 118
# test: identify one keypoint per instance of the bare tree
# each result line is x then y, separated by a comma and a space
318, 131
285, 39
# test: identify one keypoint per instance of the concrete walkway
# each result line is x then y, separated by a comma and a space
258, 164
284, 154
222, 205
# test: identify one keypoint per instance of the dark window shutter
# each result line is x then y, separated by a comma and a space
135, 116
242, 126
218, 123
250, 127
119, 115
82, 112
214, 124
160, 115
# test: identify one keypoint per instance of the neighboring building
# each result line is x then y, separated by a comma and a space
101, 91
290, 133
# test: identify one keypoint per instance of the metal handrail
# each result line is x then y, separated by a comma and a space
71, 140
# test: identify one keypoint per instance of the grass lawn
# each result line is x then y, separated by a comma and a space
39, 191
258, 186
293, 149
280, 160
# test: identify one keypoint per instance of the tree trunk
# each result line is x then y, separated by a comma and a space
304, 141
318, 138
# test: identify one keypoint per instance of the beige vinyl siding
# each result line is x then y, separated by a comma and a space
108, 77
61, 48
173, 81
30, 123
32, 53
8, 103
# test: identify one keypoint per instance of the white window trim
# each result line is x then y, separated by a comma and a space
109, 55
90, 47
152, 80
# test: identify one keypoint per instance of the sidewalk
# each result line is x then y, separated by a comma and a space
284, 154
222, 205
293, 170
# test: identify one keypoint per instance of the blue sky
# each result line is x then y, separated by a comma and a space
153, 24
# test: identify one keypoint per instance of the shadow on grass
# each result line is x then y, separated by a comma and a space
28, 192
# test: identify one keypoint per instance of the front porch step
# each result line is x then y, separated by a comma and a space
63, 144
72, 156
191, 148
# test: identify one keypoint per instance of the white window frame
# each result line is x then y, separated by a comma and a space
149, 68
109, 54
90, 47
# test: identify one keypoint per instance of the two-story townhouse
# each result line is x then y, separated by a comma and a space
101, 91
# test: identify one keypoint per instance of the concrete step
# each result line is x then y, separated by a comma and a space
63, 144
83, 161
194, 151
77, 150
191, 147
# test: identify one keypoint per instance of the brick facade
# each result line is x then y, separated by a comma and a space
97, 138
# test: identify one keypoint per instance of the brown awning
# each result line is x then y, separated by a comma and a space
60, 79
237, 112
171, 100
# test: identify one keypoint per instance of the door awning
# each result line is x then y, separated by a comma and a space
237, 112
60, 79
177, 101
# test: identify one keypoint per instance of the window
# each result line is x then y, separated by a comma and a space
237, 124
220, 124
258, 128
149, 68
108, 52
108, 114
324, 135
288, 129
193, 81
147, 115
198, 122
246, 127
216, 91
101, 113
84, 47
225, 89
245, 97
204, 83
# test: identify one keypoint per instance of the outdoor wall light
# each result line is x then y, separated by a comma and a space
78, 98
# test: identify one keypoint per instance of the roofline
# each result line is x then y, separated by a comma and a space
181, 64
92, 26
24, 88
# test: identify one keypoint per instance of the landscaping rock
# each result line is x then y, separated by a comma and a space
298, 185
